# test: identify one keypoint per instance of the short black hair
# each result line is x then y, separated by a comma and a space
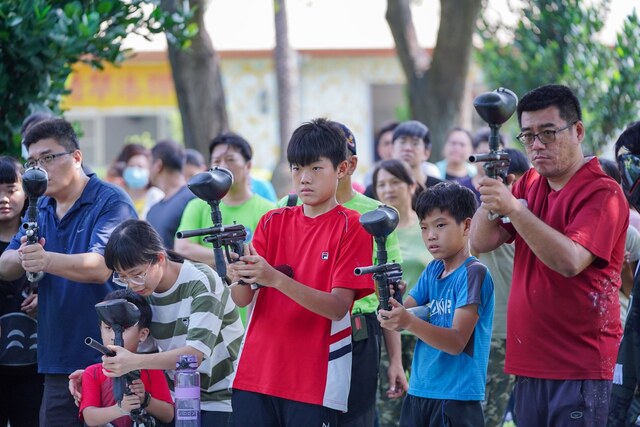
135, 299
553, 95
451, 197
33, 119
194, 157
519, 163
57, 129
233, 140
414, 129
315, 139
629, 139
10, 170
170, 153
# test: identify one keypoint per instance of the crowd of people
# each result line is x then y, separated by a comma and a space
510, 301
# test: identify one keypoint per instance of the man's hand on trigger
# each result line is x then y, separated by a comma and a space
496, 197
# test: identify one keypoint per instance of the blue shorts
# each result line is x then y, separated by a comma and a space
558, 403
260, 410
421, 411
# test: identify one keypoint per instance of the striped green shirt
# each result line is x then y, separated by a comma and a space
198, 311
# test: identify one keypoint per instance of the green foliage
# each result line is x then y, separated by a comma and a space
41, 39
555, 41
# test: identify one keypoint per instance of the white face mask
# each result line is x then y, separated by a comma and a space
136, 178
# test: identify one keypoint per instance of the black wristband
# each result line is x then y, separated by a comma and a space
147, 399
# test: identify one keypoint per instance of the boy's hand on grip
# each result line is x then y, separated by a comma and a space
394, 319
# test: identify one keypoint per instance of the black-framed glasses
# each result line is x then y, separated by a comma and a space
546, 136
137, 280
44, 160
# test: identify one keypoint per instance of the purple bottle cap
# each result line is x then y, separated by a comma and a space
187, 361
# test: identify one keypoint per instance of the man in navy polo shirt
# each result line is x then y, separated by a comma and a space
75, 219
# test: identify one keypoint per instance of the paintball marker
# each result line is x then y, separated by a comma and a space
211, 186
380, 223
495, 108
120, 314
34, 184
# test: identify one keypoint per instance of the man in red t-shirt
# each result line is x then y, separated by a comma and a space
294, 366
568, 220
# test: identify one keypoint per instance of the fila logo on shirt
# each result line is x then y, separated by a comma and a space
325, 256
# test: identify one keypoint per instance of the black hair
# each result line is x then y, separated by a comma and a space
135, 299
134, 243
58, 129
233, 140
519, 163
131, 150
558, 96
610, 168
459, 129
451, 197
386, 127
400, 170
415, 129
34, 119
315, 139
194, 157
483, 134
10, 170
170, 153
629, 139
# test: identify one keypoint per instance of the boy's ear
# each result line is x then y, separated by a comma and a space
143, 333
467, 226
342, 169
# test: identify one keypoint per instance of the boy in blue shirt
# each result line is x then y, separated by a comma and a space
452, 318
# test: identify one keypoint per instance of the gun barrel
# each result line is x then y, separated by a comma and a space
488, 157
210, 230
97, 346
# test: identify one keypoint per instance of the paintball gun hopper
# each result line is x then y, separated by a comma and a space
496, 107
211, 185
380, 222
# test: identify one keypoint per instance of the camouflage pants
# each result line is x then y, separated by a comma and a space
389, 409
499, 385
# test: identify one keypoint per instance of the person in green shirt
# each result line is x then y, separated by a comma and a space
366, 329
239, 205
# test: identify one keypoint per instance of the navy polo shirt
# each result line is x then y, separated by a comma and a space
66, 313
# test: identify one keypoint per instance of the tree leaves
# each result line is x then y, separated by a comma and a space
41, 39
554, 41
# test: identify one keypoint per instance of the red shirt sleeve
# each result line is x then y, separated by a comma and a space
155, 382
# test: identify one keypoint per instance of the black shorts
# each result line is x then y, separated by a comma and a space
420, 411
364, 375
260, 410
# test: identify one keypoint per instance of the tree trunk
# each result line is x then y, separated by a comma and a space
436, 91
288, 106
197, 78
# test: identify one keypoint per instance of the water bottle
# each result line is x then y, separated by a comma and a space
187, 389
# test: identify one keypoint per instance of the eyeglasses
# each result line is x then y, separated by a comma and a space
545, 137
413, 141
44, 160
137, 280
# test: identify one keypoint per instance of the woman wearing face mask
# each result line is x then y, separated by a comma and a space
137, 160
393, 185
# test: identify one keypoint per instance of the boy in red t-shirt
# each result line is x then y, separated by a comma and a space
295, 362
150, 392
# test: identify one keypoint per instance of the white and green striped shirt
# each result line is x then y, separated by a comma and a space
198, 311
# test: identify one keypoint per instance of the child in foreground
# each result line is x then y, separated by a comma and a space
149, 392
453, 302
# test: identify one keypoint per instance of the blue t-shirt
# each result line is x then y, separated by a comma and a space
434, 373
66, 312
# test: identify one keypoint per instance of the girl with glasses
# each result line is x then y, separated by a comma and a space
192, 314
